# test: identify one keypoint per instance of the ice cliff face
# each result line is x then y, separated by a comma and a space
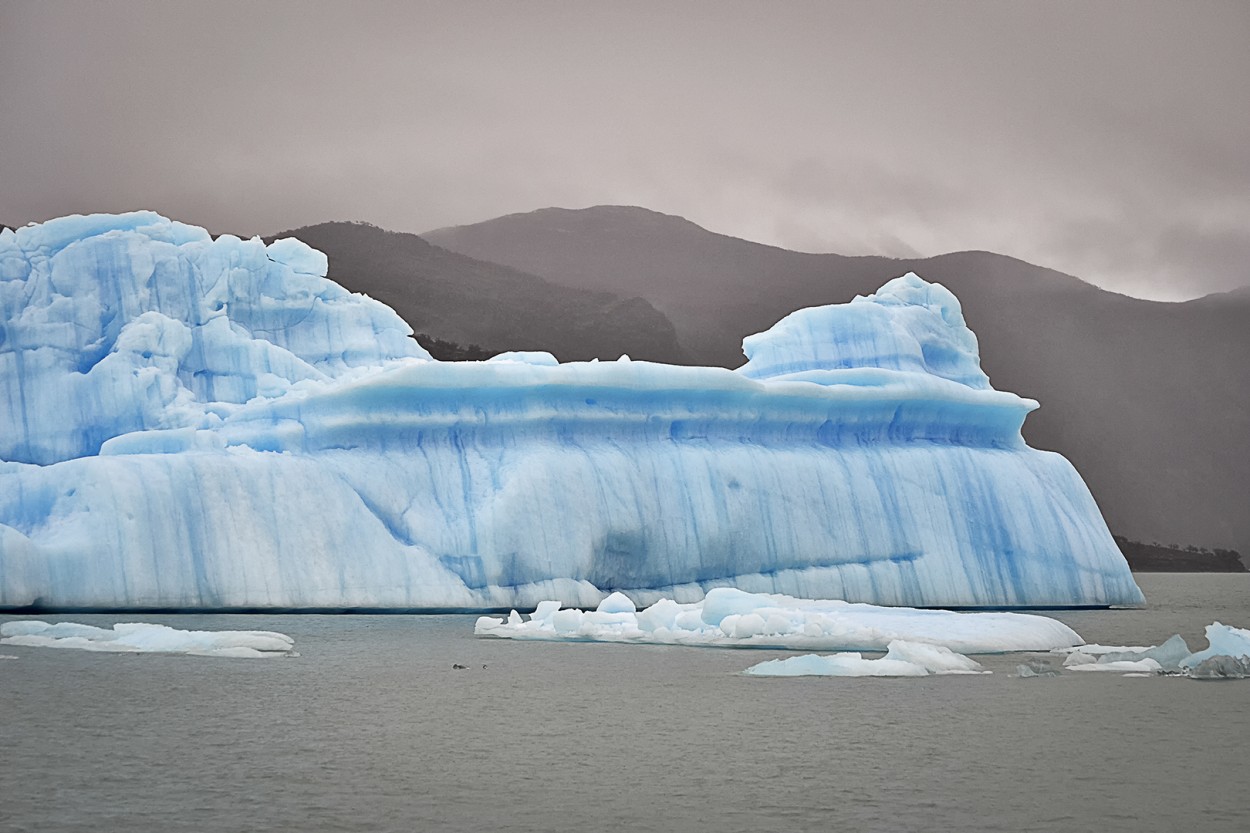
203, 423
113, 324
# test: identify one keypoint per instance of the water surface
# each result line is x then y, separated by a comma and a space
372, 729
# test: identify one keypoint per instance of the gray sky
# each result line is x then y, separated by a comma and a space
1108, 140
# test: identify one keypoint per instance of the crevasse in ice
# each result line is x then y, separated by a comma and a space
198, 423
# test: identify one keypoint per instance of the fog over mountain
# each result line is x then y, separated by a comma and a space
1148, 399
1105, 139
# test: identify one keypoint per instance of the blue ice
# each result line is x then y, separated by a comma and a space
189, 422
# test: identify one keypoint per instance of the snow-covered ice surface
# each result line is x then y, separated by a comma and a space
144, 638
902, 659
198, 423
731, 618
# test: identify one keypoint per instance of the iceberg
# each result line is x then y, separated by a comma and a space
189, 422
731, 618
145, 638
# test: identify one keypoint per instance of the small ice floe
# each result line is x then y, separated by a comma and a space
732, 618
1095, 650
1168, 655
903, 659
1144, 666
1036, 668
142, 638
1221, 668
1228, 657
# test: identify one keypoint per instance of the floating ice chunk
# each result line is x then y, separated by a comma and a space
1221, 668
903, 659
616, 603
1227, 657
140, 637
849, 664
1168, 654
1036, 668
1096, 650
933, 658
1225, 641
1141, 666
665, 614
733, 618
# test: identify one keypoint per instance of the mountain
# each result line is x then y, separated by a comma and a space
1149, 400
454, 298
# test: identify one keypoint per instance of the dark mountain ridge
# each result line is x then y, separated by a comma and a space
457, 299
1148, 399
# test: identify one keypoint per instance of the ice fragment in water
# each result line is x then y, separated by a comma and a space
1122, 666
141, 637
1224, 641
1221, 668
733, 618
1169, 654
1036, 668
903, 659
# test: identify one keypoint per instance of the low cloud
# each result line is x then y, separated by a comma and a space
1107, 141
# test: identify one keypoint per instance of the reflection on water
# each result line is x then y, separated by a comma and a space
372, 728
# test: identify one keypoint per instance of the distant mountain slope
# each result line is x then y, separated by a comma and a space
1151, 401
458, 299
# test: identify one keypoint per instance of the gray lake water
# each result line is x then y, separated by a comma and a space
372, 729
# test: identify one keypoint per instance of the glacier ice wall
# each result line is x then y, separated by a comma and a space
198, 423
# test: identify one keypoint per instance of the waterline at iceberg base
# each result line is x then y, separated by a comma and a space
212, 424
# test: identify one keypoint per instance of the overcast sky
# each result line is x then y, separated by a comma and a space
1108, 140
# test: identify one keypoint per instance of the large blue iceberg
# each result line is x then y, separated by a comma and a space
188, 422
